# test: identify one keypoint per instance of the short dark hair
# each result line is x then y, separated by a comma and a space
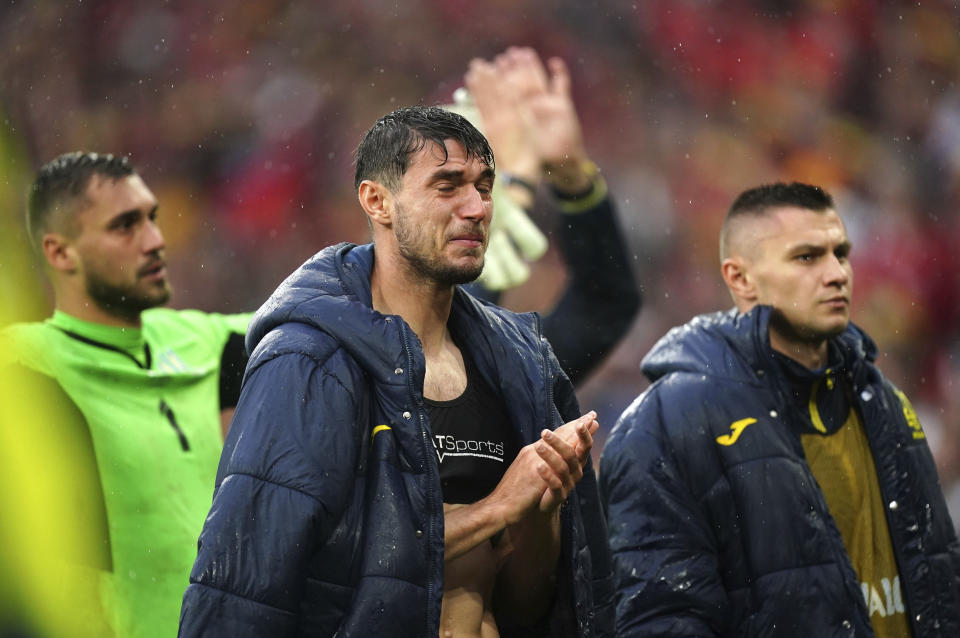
63, 180
757, 201
384, 152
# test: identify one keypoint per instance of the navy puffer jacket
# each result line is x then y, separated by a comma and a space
737, 540
322, 525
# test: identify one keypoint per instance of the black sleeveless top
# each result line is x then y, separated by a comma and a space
473, 439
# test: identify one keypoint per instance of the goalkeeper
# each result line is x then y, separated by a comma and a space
527, 113
141, 389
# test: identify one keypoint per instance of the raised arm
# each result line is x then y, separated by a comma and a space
532, 123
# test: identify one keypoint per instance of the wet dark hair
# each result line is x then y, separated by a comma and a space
384, 152
757, 201
63, 180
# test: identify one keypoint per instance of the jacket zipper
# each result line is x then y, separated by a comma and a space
837, 548
578, 622
431, 493
545, 366
905, 589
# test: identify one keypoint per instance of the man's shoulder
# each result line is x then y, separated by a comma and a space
28, 344
719, 345
469, 309
689, 409
17, 332
298, 339
203, 334
304, 353
169, 318
690, 387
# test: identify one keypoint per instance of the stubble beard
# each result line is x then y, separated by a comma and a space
426, 266
805, 334
126, 302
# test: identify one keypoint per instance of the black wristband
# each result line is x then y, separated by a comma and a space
513, 180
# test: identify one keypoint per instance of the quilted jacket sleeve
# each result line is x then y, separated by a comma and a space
666, 569
601, 299
286, 473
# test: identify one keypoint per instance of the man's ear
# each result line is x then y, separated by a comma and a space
377, 202
58, 251
736, 275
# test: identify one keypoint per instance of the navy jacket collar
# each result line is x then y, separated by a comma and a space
331, 292
734, 344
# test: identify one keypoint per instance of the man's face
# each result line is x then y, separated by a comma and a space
119, 248
800, 265
443, 212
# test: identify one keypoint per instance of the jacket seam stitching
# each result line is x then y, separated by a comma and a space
271, 482
241, 597
319, 361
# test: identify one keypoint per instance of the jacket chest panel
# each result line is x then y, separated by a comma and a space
754, 467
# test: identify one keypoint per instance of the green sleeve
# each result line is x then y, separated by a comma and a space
228, 332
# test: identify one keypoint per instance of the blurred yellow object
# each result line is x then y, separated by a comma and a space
40, 595
514, 238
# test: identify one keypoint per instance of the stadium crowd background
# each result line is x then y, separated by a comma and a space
243, 119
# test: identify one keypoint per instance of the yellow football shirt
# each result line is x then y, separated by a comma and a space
843, 466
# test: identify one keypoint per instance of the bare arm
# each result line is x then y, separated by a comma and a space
527, 580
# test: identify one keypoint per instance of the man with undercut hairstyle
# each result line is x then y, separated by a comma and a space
771, 481
333, 515
140, 388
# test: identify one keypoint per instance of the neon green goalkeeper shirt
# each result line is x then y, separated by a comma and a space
151, 398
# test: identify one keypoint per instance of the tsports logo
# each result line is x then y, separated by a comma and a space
449, 445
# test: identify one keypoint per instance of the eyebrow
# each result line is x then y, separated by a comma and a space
819, 248
133, 212
456, 175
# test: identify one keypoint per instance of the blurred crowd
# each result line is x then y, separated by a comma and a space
243, 118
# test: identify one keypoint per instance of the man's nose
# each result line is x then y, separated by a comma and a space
476, 206
153, 238
837, 271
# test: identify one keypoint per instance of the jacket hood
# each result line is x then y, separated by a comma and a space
331, 292
731, 344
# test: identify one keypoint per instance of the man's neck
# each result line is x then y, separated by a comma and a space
425, 306
810, 354
85, 309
